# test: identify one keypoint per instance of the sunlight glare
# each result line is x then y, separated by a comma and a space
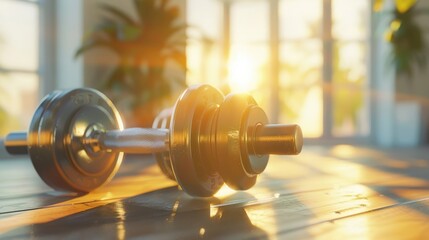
242, 72
224, 192
311, 110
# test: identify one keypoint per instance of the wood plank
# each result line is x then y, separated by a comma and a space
337, 192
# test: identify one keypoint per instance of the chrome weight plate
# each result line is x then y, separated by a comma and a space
55, 135
191, 158
254, 117
235, 161
162, 121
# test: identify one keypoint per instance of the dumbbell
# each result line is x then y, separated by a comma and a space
76, 140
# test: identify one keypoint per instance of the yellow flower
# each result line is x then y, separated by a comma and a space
388, 35
378, 5
404, 5
395, 25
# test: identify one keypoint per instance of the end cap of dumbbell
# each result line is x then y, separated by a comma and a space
278, 139
16, 143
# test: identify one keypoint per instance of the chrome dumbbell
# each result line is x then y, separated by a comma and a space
76, 140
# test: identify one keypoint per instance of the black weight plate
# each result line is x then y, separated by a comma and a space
54, 140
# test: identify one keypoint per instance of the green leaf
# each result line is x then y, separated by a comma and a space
94, 43
85, 47
143, 46
419, 11
114, 77
145, 9
179, 57
129, 33
118, 14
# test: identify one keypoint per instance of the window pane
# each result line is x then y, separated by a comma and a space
301, 99
349, 92
204, 53
350, 108
250, 21
205, 15
248, 58
19, 35
249, 71
204, 62
18, 100
300, 19
350, 19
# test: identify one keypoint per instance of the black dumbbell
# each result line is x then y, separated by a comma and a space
76, 140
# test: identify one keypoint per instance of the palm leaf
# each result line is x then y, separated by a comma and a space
145, 10
114, 77
179, 57
94, 43
163, 4
118, 14
143, 46
85, 47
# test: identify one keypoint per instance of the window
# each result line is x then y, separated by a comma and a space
301, 64
304, 60
349, 31
248, 63
204, 42
19, 63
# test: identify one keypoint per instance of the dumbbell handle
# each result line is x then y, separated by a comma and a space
267, 139
132, 140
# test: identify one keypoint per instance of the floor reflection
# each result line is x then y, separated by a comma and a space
328, 193
165, 214
392, 188
120, 225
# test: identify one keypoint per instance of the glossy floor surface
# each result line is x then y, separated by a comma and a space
339, 192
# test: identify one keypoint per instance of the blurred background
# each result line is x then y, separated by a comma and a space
347, 71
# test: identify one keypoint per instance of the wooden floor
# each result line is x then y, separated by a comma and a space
339, 192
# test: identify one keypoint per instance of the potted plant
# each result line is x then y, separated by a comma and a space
145, 47
409, 54
406, 38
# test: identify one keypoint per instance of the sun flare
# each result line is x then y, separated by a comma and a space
242, 73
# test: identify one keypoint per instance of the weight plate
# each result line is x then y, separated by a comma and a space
162, 121
55, 135
192, 163
253, 118
231, 139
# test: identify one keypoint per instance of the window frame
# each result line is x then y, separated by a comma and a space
327, 68
18, 70
46, 48
46, 52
